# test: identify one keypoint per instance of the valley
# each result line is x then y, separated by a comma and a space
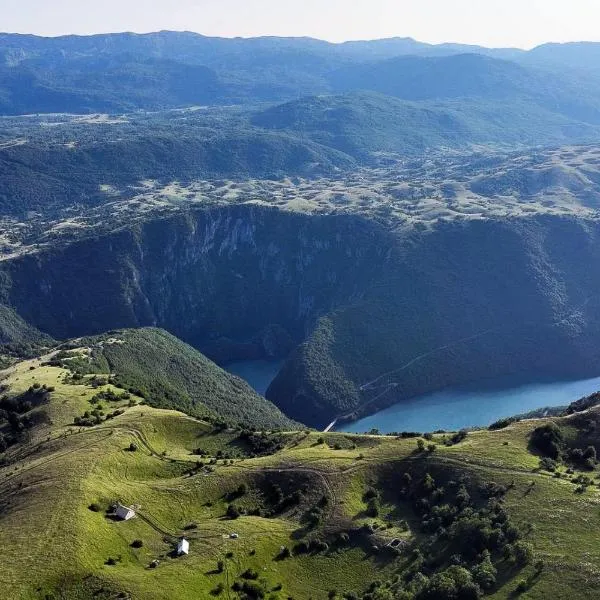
211, 249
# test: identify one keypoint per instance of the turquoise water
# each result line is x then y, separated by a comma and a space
258, 373
473, 406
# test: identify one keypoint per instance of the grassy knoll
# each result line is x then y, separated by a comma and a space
334, 501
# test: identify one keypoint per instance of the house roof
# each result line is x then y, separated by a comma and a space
123, 510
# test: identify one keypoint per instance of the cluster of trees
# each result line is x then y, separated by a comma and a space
16, 412
550, 442
314, 516
456, 562
312, 546
110, 396
262, 443
95, 417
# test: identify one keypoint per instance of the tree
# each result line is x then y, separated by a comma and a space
455, 583
420, 445
548, 439
428, 483
484, 574
233, 512
373, 507
523, 553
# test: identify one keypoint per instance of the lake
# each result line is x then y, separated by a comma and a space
473, 406
258, 373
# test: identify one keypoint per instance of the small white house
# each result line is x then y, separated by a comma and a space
124, 512
183, 547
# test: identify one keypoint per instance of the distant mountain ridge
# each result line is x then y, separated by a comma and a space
126, 71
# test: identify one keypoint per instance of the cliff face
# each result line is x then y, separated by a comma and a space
461, 303
212, 277
379, 316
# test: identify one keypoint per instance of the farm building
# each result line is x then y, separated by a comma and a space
124, 512
183, 547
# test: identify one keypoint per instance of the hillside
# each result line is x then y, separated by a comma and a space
73, 168
170, 374
362, 123
300, 515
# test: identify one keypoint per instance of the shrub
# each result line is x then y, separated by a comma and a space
373, 507
250, 574
523, 553
458, 437
218, 589
484, 574
547, 464
502, 423
137, 544
233, 512
370, 493
301, 548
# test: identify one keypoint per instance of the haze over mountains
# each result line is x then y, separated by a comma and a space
119, 72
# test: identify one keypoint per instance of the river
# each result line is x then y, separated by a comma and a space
473, 406
258, 373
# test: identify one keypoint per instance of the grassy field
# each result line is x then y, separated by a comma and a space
57, 485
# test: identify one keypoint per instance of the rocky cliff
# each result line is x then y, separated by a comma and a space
377, 315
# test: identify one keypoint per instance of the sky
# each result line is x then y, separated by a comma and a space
515, 23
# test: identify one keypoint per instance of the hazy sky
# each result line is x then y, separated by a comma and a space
522, 23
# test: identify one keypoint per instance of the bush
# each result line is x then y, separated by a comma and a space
502, 423
301, 548
458, 437
373, 507
547, 464
218, 589
523, 553
370, 493
484, 574
137, 544
232, 512
95, 507
250, 574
